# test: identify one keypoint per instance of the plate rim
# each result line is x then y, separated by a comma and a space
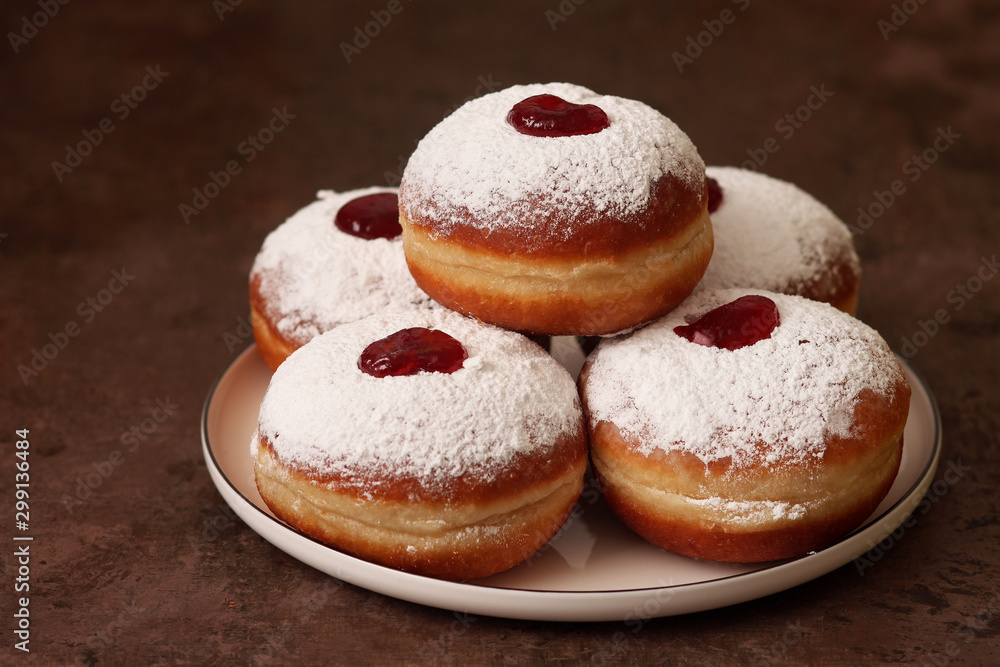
923, 478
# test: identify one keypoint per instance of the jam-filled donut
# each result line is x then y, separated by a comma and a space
771, 235
746, 426
338, 260
554, 210
424, 441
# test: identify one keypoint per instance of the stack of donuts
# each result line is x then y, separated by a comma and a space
732, 410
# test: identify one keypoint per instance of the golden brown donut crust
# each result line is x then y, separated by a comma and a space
838, 285
675, 204
558, 292
273, 347
663, 496
468, 530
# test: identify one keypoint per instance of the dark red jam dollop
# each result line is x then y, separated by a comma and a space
737, 324
551, 116
370, 217
714, 194
410, 351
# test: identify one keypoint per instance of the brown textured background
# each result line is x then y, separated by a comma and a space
151, 568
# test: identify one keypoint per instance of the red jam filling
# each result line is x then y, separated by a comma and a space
550, 116
737, 324
714, 194
410, 351
370, 217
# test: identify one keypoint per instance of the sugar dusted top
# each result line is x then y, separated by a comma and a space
475, 168
509, 398
771, 235
791, 390
314, 276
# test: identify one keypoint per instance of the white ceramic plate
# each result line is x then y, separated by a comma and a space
595, 569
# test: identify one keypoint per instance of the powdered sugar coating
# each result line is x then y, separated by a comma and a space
771, 235
315, 277
791, 391
510, 398
473, 163
751, 511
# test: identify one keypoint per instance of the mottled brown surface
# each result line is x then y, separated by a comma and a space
152, 568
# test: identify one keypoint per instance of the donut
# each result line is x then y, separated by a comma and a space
745, 426
460, 469
310, 275
771, 235
597, 225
